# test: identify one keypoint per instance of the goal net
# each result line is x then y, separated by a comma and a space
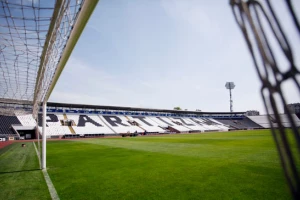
36, 40
274, 59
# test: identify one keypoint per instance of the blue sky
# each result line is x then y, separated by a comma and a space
162, 54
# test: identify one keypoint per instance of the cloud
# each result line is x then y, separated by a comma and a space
166, 53
196, 14
95, 85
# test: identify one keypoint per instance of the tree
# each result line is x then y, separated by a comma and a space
177, 108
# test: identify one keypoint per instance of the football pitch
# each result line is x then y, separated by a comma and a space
229, 165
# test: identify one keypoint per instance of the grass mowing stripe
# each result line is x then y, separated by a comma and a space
20, 176
37, 154
237, 165
200, 147
49, 183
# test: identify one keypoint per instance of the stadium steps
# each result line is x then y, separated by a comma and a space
136, 123
73, 122
233, 127
180, 124
107, 124
127, 118
252, 124
5, 125
141, 128
71, 129
173, 129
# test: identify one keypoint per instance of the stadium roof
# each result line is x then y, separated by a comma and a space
36, 40
83, 106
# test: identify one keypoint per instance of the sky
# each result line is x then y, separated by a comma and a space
163, 54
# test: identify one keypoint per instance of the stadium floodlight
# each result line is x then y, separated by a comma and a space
230, 86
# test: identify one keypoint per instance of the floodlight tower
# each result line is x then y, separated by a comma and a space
230, 86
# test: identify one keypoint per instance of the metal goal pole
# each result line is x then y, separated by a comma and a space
44, 136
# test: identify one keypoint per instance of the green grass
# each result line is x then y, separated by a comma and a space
232, 165
20, 177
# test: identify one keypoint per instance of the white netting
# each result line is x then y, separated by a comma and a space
33, 35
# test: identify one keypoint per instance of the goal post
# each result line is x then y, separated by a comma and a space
37, 39
86, 11
83, 17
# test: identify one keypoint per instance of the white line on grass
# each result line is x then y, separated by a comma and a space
49, 183
37, 154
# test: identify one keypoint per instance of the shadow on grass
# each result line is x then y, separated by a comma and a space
29, 170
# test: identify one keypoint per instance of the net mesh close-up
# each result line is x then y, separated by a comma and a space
261, 27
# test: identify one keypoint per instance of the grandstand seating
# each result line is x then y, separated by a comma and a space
189, 124
172, 122
285, 120
26, 120
197, 126
165, 123
146, 124
185, 122
263, 120
5, 125
244, 123
158, 122
58, 124
56, 130
89, 124
233, 124
120, 124
206, 124
53, 125
220, 125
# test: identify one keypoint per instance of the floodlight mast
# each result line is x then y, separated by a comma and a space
230, 86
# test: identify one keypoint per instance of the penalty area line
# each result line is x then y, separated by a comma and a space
51, 188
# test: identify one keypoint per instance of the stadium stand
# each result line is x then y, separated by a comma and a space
53, 125
206, 124
89, 124
175, 125
120, 124
5, 125
222, 126
240, 124
64, 121
146, 124
186, 123
26, 120
197, 125
285, 120
159, 124
263, 120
